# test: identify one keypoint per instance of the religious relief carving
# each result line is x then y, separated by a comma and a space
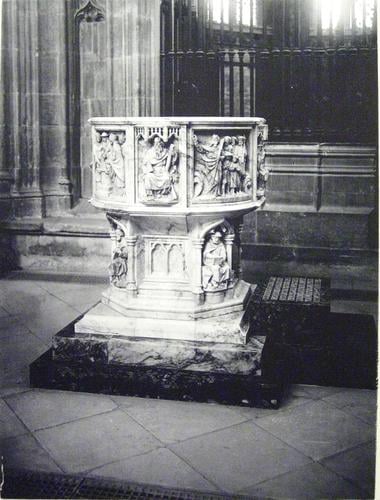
108, 163
118, 269
216, 271
262, 170
158, 169
221, 167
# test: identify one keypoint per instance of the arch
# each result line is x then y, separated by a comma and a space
158, 262
206, 228
176, 260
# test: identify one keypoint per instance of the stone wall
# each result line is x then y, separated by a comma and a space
318, 196
62, 62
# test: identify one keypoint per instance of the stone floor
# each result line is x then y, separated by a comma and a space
320, 444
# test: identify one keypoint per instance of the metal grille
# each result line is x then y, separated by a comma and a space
310, 71
29, 484
293, 290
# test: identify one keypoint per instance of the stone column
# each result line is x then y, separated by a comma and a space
22, 114
131, 275
36, 103
238, 232
197, 287
229, 240
54, 88
6, 177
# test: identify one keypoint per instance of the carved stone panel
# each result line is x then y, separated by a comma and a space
221, 171
118, 268
109, 163
216, 268
165, 258
158, 172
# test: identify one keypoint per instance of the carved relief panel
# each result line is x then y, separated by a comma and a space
157, 165
118, 268
221, 167
165, 258
217, 272
108, 163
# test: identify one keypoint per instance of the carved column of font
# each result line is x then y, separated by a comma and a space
131, 276
197, 268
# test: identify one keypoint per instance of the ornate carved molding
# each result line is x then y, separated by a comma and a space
90, 13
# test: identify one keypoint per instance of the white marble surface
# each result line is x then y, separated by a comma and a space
227, 328
175, 191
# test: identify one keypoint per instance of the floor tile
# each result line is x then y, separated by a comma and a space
313, 391
160, 467
94, 441
359, 402
357, 465
172, 421
16, 375
318, 429
353, 397
24, 452
15, 356
19, 296
290, 402
40, 409
311, 481
11, 326
19, 350
77, 295
12, 389
239, 456
10, 425
48, 316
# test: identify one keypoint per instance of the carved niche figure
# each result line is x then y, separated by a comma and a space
216, 272
116, 161
108, 164
262, 170
220, 167
118, 268
160, 170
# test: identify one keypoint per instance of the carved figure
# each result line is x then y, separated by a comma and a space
236, 169
208, 169
108, 164
119, 263
241, 155
216, 272
227, 160
160, 170
115, 160
262, 170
